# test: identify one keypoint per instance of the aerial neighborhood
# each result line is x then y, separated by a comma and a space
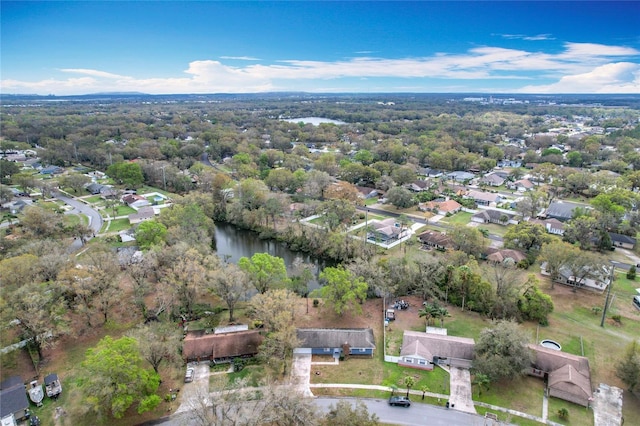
476, 256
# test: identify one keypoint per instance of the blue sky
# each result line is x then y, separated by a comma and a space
161, 47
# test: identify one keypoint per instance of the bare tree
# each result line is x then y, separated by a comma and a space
229, 283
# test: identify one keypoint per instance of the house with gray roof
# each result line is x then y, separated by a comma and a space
460, 176
492, 179
494, 216
563, 210
14, 404
335, 341
425, 350
624, 241
483, 198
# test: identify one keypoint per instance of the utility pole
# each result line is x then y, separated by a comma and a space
606, 301
164, 179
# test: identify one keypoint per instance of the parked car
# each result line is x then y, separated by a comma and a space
34, 421
188, 376
636, 301
402, 401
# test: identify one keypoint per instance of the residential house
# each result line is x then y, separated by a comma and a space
494, 216
484, 198
589, 279
492, 179
51, 170
14, 405
386, 230
336, 341
504, 255
441, 207
431, 173
436, 239
460, 176
418, 186
95, 188
553, 226
220, 348
424, 350
521, 185
143, 213
509, 163
624, 241
135, 201
367, 192
568, 376
562, 210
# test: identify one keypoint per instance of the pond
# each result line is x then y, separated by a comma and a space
314, 120
233, 243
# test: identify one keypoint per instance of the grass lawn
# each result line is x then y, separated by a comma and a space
523, 394
460, 218
93, 199
318, 221
116, 225
370, 201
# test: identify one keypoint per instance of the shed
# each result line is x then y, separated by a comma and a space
328, 341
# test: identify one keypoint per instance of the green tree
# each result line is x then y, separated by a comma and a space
528, 237
265, 271
150, 233
535, 305
343, 290
409, 382
557, 254
343, 413
112, 378
628, 368
126, 173
400, 197
501, 352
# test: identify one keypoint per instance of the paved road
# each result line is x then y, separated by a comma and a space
95, 220
416, 415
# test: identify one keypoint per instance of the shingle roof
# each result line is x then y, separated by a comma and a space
568, 379
336, 337
620, 238
563, 209
428, 345
224, 345
13, 396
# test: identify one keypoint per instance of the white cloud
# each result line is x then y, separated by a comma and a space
538, 37
240, 58
94, 73
582, 67
621, 77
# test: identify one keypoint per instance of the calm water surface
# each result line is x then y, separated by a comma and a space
233, 243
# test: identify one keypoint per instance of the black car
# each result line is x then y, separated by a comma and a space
402, 401
34, 421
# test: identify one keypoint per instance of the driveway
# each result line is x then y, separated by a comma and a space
196, 393
460, 386
301, 371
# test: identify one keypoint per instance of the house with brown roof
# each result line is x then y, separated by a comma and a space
135, 201
441, 207
504, 255
492, 179
424, 350
143, 213
521, 185
220, 347
435, 239
386, 230
568, 376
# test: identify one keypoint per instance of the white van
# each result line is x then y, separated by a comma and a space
636, 299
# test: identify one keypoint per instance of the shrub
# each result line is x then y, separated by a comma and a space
617, 319
563, 413
631, 273
316, 302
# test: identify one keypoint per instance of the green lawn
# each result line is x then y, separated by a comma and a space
93, 199
578, 415
116, 225
460, 218
522, 394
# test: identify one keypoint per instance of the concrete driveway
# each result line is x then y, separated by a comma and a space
193, 394
301, 371
460, 390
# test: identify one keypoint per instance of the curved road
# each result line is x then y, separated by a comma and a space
95, 220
